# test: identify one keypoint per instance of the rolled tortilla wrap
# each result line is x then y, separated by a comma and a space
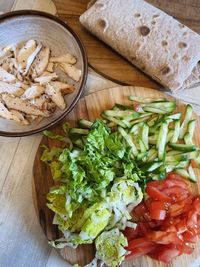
159, 45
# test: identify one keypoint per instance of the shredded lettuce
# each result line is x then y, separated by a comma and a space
98, 185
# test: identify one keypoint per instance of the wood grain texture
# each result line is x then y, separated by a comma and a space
90, 107
108, 61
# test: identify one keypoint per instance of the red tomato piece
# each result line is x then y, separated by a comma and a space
141, 251
141, 243
169, 182
136, 107
165, 253
139, 210
156, 194
176, 209
144, 227
157, 210
183, 248
176, 193
131, 233
163, 237
192, 221
189, 236
196, 205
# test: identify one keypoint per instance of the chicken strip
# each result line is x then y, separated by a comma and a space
71, 71
67, 58
24, 53
11, 115
20, 116
56, 96
6, 77
33, 92
23, 105
46, 78
12, 89
50, 67
41, 62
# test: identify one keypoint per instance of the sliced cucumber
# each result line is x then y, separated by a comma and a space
177, 127
129, 140
122, 107
182, 172
136, 128
145, 135
189, 135
184, 125
176, 116
183, 147
162, 139
152, 155
85, 123
146, 100
142, 146
116, 121
121, 113
152, 166
78, 131
192, 175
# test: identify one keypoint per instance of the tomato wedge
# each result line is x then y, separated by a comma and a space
156, 194
163, 237
157, 210
131, 233
165, 253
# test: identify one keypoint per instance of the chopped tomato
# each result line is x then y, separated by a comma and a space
168, 221
165, 253
156, 194
136, 107
131, 233
157, 210
163, 237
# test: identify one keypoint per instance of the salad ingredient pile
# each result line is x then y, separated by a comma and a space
104, 169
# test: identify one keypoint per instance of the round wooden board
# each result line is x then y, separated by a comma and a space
108, 61
90, 107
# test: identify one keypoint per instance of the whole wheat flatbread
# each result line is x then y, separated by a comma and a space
155, 42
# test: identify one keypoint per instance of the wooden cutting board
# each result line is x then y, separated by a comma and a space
90, 107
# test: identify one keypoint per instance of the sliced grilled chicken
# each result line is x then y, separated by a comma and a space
32, 57
11, 115
46, 77
12, 89
50, 67
33, 92
24, 53
67, 58
56, 96
71, 71
23, 105
20, 116
6, 77
63, 87
44, 102
41, 62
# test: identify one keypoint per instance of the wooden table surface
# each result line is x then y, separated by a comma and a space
22, 243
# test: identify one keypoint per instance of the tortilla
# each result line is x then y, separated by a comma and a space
159, 45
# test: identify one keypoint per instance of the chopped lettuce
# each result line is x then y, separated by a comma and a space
98, 186
110, 247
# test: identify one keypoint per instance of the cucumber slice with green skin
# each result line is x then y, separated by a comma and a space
145, 135
176, 158
170, 135
173, 152
183, 147
116, 121
152, 120
129, 140
142, 146
111, 124
78, 131
123, 107
177, 128
184, 125
146, 100
152, 166
161, 105
189, 135
192, 175
156, 110
162, 139
153, 139
176, 116
85, 123
139, 120
136, 128
121, 113
152, 155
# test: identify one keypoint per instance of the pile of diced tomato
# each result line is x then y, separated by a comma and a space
168, 221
